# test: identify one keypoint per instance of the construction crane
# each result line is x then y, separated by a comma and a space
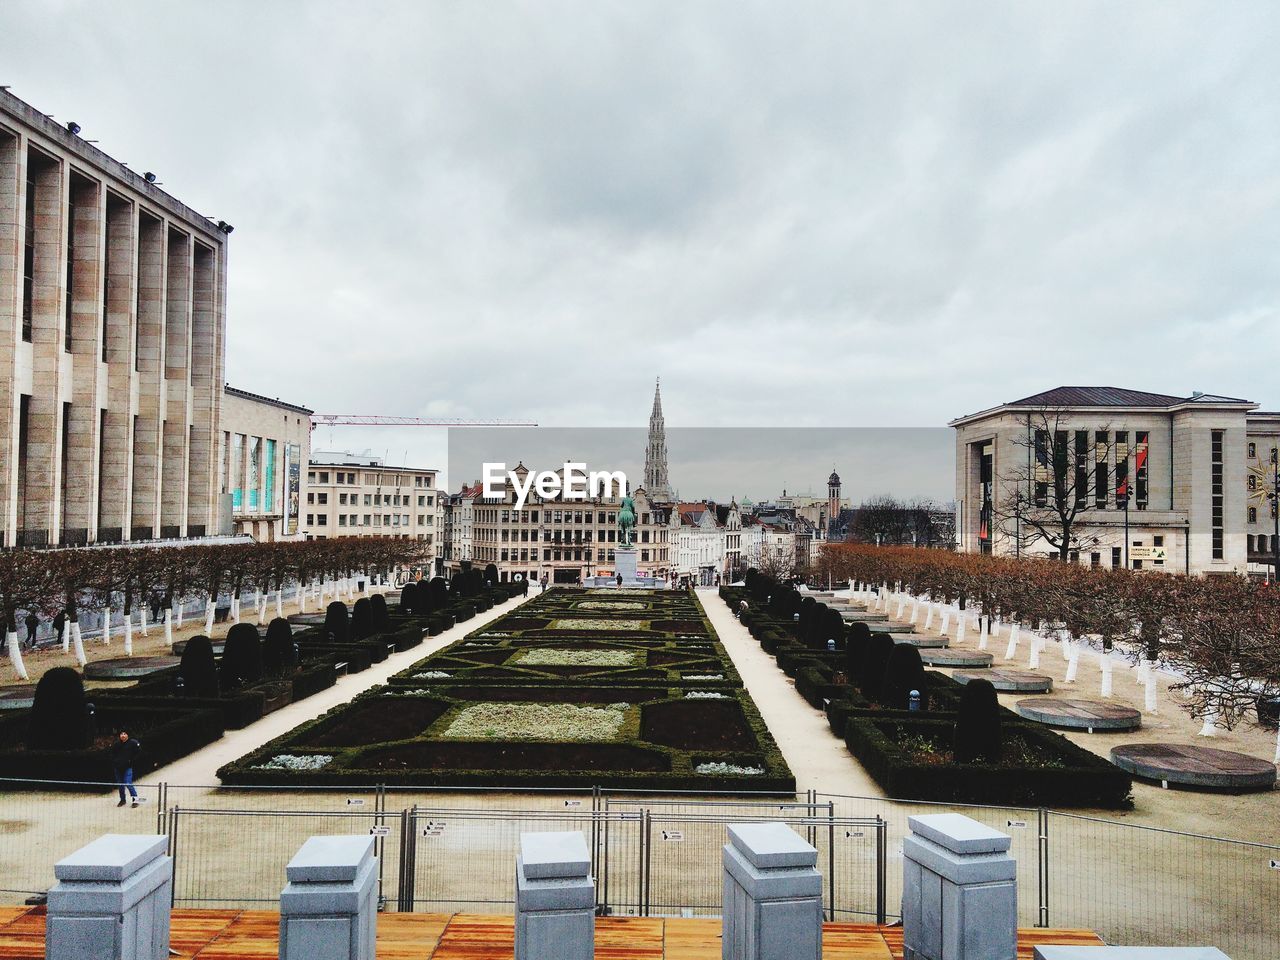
373, 420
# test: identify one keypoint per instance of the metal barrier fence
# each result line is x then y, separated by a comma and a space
654, 854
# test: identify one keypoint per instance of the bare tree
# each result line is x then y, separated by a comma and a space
1059, 474
779, 564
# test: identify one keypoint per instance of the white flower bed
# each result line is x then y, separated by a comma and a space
552, 657
411, 692
722, 768
287, 761
611, 605
589, 623
705, 695
704, 676
431, 675
537, 721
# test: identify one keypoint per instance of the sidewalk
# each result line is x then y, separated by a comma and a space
200, 767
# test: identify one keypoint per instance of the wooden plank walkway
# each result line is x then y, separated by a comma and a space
253, 935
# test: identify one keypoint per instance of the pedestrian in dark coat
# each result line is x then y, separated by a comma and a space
124, 754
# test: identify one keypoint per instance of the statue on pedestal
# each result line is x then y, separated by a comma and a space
626, 522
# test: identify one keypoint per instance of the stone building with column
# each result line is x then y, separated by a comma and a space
1193, 470
112, 344
265, 449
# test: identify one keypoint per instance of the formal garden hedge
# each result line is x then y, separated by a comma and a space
165, 733
574, 688
861, 686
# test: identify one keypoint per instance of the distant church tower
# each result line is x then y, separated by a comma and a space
656, 484
833, 498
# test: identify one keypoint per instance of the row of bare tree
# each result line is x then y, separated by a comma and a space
125, 578
1220, 634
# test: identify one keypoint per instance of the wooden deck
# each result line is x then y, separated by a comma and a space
252, 935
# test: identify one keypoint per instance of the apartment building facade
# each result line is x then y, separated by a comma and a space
363, 497
266, 446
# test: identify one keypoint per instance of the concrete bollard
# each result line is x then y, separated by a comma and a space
111, 901
555, 898
329, 906
772, 895
959, 892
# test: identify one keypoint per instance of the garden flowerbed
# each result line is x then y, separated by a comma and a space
650, 701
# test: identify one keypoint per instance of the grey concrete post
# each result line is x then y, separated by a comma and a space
329, 907
111, 901
772, 895
959, 893
555, 898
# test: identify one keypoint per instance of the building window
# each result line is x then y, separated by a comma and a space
311, 520
322, 498
1122, 467
1101, 482
1116, 556
1140, 469
342, 519
341, 478
311, 476
322, 519
1252, 451
1217, 492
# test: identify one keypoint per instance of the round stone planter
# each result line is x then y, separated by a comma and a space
180, 647
1010, 681
128, 668
1192, 765
17, 698
1088, 715
972, 659
922, 641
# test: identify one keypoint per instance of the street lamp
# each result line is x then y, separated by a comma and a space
1275, 514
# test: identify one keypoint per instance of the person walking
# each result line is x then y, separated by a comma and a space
33, 624
124, 753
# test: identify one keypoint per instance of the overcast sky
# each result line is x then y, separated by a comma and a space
855, 213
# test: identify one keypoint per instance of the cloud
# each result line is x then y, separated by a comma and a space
823, 214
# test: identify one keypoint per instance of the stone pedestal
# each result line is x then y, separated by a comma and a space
772, 895
555, 898
624, 563
329, 907
1128, 953
959, 894
111, 901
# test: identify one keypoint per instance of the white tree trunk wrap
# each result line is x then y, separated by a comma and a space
1150, 703
1011, 650
1104, 662
106, 627
15, 655
280, 602
66, 636
128, 635
142, 618
1073, 666
208, 618
77, 644
168, 628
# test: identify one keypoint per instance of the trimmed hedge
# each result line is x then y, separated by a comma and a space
1083, 779
166, 734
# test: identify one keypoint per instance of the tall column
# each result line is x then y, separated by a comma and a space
149, 367
206, 393
87, 217
45, 238
10, 330
177, 373
116, 454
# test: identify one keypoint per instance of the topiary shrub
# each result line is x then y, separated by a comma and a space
409, 598
438, 587
903, 673
879, 648
381, 619
198, 669
279, 659
58, 718
832, 628
362, 625
455, 584
241, 657
336, 626
491, 573
855, 652
977, 734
